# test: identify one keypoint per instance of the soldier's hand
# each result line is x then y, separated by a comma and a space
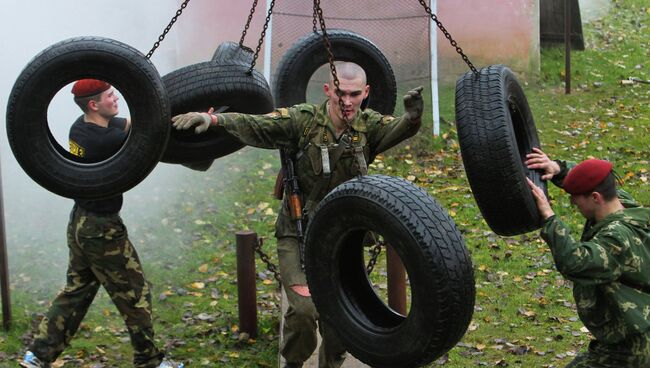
543, 205
538, 160
413, 104
201, 120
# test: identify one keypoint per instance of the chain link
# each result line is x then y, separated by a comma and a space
248, 24
330, 59
315, 19
375, 251
267, 260
166, 30
446, 33
261, 40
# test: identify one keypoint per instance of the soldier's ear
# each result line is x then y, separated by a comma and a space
597, 197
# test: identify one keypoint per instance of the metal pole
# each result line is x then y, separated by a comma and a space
268, 46
567, 46
246, 297
396, 275
4, 269
433, 51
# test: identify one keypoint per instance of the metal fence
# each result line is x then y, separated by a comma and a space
400, 29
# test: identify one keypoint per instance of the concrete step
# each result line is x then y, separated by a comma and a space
350, 361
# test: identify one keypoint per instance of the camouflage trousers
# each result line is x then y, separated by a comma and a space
300, 320
634, 352
100, 254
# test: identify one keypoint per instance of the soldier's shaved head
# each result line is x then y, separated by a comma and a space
348, 70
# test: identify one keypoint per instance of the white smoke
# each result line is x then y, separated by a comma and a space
36, 218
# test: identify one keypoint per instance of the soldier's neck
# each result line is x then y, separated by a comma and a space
608, 208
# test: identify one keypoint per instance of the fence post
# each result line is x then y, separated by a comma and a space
4, 269
246, 290
396, 275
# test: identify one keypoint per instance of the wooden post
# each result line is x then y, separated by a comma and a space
246, 290
396, 275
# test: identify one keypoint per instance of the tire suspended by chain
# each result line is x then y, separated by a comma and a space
432, 251
198, 87
232, 53
495, 131
308, 54
51, 165
226, 53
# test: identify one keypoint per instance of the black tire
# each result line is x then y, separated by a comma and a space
308, 54
200, 86
495, 131
231, 53
49, 164
430, 247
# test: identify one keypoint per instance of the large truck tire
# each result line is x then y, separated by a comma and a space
430, 247
495, 132
51, 165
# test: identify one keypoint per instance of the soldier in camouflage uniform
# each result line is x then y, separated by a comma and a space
609, 265
100, 251
312, 133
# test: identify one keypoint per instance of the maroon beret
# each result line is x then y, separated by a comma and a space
586, 176
89, 87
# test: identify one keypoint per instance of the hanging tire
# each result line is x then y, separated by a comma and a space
432, 251
200, 86
495, 131
231, 53
52, 166
308, 54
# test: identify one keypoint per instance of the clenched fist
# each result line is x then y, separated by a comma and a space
413, 104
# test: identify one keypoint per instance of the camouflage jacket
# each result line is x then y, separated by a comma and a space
306, 130
610, 269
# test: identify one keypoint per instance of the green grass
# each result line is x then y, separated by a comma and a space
524, 314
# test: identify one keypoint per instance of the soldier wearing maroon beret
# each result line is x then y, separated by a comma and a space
101, 253
609, 264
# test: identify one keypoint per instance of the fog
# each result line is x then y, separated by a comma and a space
36, 218
593, 9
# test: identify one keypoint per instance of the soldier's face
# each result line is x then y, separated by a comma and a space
107, 104
353, 91
586, 204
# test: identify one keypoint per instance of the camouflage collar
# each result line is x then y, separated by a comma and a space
357, 124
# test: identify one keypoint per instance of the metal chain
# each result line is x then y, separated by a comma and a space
259, 43
315, 19
330, 59
375, 250
446, 33
267, 260
166, 30
248, 23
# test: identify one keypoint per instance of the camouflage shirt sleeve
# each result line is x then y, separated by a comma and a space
565, 166
593, 262
386, 131
280, 128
